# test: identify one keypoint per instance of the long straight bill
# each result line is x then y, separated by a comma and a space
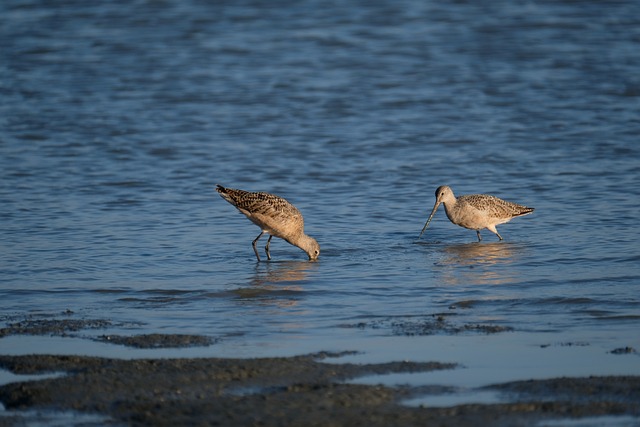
435, 208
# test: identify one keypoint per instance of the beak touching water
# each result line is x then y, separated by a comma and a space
435, 208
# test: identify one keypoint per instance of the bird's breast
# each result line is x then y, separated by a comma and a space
466, 216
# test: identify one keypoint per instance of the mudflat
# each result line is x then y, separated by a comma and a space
289, 391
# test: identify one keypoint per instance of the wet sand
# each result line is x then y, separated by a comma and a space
288, 391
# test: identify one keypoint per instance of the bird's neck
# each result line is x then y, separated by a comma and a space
298, 240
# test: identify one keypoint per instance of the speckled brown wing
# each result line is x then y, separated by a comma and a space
495, 206
265, 209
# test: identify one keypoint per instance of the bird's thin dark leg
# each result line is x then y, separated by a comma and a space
494, 230
479, 237
266, 248
254, 243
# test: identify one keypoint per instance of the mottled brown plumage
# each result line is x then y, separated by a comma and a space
275, 216
476, 211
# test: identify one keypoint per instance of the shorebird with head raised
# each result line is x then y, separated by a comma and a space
476, 211
275, 216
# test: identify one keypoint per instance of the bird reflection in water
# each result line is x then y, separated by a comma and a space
479, 264
279, 272
276, 283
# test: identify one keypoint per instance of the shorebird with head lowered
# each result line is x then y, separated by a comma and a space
275, 216
476, 211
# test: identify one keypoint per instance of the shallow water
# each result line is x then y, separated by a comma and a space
117, 120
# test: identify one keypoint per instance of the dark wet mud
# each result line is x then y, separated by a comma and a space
301, 390
428, 325
51, 326
69, 327
158, 340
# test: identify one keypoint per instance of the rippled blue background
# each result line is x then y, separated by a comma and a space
117, 119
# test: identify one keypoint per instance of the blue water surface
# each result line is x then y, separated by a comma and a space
117, 119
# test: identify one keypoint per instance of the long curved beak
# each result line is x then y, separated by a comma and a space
435, 208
